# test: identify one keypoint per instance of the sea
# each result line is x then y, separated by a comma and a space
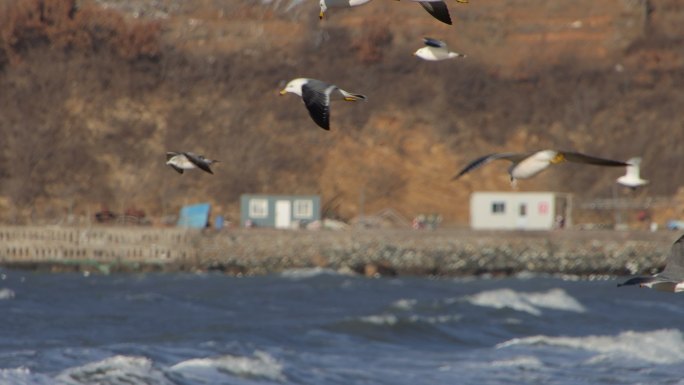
315, 326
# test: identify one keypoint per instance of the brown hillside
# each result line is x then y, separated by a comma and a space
94, 93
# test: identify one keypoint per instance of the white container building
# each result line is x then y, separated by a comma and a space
497, 210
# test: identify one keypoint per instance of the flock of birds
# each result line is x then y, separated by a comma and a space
317, 95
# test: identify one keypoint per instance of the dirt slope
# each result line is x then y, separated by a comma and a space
87, 115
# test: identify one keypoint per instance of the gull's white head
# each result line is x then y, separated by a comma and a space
632, 177
294, 86
424, 53
546, 156
633, 168
324, 7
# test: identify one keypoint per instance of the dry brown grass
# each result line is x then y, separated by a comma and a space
63, 25
91, 100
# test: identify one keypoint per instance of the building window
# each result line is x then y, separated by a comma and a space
303, 208
258, 208
522, 210
498, 207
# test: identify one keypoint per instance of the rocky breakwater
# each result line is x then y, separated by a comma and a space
441, 252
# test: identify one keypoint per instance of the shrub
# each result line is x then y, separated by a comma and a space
61, 24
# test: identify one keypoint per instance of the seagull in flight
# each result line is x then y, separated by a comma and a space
632, 179
436, 50
181, 161
437, 8
316, 95
527, 165
671, 279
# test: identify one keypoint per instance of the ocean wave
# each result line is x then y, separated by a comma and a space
404, 304
524, 362
214, 369
303, 273
380, 319
532, 303
6, 293
23, 376
388, 319
521, 362
665, 346
116, 370
437, 319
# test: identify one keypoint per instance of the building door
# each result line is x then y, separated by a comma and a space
283, 214
522, 216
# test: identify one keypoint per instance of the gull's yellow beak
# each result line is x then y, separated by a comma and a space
321, 15
462, 1
283, 92
558, 158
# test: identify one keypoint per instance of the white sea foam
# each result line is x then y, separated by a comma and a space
532, 303
23, 376
404, 304
6, 293
526, 362
518, 362
665, 346
116, 370
214, 369
381, 319
303, 273
391, 319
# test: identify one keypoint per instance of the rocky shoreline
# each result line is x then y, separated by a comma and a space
444, 252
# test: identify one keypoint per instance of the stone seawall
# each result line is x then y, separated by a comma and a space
372, 252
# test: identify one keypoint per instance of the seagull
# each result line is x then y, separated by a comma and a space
437, 8
436, 50
530, 164
181, 161
632, 179
316, 95
671, 279
325, 4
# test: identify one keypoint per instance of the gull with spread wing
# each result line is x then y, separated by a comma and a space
436, 50
671, 279
527, 165
316, 95
437, 8
181, 161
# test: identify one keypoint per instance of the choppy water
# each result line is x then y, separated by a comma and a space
312, 327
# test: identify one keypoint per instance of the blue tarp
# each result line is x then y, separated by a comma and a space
194, 216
